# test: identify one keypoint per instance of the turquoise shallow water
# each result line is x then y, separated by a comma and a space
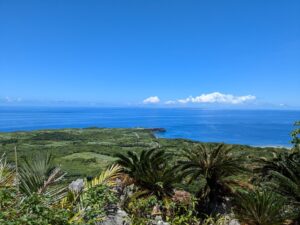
253, 127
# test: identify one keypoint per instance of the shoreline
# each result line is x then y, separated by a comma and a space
156, 134
272, 146
81, 151
155, 131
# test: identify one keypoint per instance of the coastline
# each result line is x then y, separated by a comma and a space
157, 132
81, 151
248, 127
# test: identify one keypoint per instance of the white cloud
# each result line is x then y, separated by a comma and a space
217, 97
170, 102
8, 99
151, 100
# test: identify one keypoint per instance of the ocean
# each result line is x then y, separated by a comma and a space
251, 127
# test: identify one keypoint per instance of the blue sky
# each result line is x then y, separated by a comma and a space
121, 52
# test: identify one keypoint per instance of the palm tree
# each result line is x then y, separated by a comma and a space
216, 165
259, 208
150, 172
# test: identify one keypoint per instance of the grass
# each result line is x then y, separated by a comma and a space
89, 162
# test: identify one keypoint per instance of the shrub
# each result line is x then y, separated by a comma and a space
32, 210
260, 208
98, 202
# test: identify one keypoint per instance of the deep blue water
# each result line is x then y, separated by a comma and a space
253, 127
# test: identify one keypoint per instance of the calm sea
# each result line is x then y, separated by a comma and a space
253, 127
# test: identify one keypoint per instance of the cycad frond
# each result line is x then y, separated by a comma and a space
150, 171
7, 175
287, 182
107, 177
260, 208
217, 166
38, 175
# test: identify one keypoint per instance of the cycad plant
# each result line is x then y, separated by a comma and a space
287, 183
39, 175
282, 175
150, 172
259, 208
216, 165
278, 163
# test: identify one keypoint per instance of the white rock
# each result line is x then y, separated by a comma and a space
119, 218
77, 185
162, 223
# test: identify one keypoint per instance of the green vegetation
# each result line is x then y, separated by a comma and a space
150, 172
173, 180
260, 207
218, 167
79, 152
35, 197
85, 152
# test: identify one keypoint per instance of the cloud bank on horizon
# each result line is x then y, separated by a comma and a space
214, 97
